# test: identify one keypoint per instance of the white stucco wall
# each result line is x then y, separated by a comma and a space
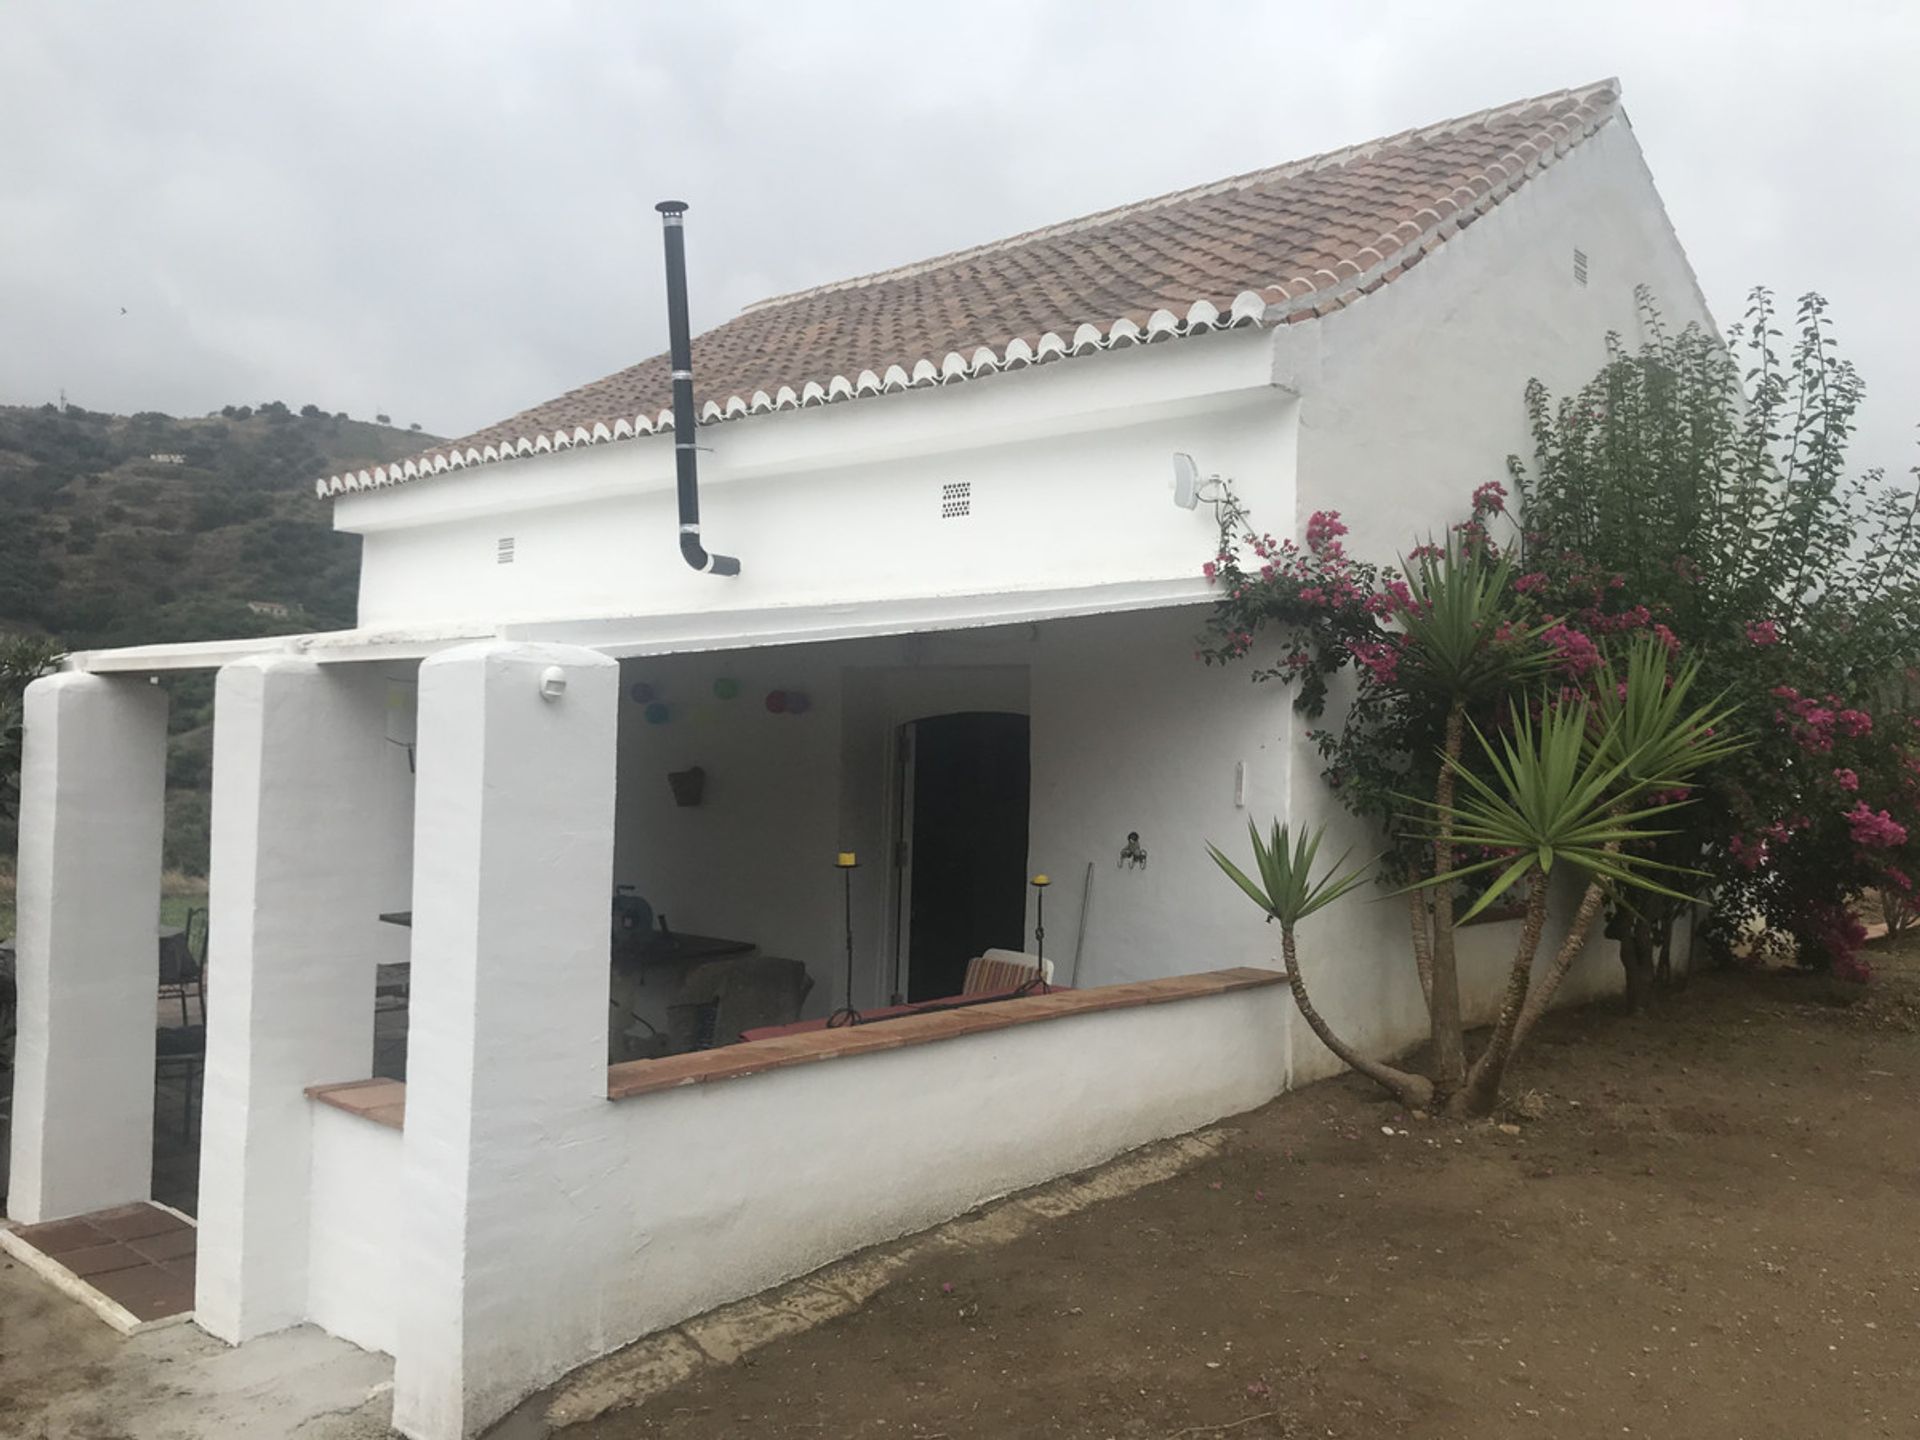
1069, 469
645, 1211
92, 783
356, 1264
311, 818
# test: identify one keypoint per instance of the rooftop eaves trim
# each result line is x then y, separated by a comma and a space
1344, 223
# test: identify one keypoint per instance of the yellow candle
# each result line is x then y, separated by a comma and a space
846, 860
1041, 880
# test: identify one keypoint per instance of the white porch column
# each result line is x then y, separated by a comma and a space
513, 873
306, 791
92, 799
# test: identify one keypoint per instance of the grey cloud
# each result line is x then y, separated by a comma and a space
443, 211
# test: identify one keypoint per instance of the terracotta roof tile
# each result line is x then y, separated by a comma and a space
1275, 246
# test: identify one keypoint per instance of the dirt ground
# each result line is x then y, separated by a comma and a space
1707, 1225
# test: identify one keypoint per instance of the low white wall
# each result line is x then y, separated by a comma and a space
665, 1205
353, 1258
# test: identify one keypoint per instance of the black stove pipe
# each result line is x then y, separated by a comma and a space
680, 345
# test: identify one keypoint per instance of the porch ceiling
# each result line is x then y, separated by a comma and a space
692, 632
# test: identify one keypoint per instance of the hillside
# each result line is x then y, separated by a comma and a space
102, 544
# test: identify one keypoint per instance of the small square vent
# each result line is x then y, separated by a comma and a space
503, 551
1580, 267
956, 499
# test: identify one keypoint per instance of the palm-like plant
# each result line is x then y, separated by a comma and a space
1582, 786
1579, 788
1664, 741
1464, 641
1284, 886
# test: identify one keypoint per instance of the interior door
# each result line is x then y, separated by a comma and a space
964, 870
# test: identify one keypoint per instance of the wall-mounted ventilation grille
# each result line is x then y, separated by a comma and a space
1580, 267
956, 499
503, 551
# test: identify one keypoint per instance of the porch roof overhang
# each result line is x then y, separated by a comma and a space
623, 636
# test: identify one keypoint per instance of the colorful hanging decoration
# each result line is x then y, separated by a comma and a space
726, 687
658, 713
641, 693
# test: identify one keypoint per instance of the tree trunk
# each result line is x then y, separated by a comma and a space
1636, 957
1541, 995
1422, 945
1482, 1090
1443, 1004
1413, 1091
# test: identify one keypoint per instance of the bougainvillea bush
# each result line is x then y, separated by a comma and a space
1574, 765
1687, 524
1698, 490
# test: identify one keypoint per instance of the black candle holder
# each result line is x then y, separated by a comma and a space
846, 863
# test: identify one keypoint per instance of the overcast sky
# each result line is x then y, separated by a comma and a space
442, 211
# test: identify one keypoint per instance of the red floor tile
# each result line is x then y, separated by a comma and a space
147, 1292
136, 1222
59, 1236
97, 1260
168, 1245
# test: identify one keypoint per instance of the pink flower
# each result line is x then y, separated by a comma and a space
1324, 527
1875, 829
1380, 659
1576, 652
1667, 638
1750, 856
1531, 583
1846, 779
1853, 723
1490, 498
1209, 570
1763, 632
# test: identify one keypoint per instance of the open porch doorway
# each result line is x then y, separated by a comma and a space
960, 860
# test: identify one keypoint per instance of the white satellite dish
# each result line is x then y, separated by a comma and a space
1186, 482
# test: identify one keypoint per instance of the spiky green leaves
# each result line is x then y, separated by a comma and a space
1464, 636
1581, 784
1647, 721
1285, 888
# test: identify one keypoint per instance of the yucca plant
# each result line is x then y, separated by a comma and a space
1665, 740
1579, 789
1284, 886
1464, 642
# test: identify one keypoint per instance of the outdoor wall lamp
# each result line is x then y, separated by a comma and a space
553, 683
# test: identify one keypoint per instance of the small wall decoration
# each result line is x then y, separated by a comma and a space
641, 693
687, 785
1134, 855
788, 702
725, 688
658, 713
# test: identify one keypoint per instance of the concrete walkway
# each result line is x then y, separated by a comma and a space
64, 1375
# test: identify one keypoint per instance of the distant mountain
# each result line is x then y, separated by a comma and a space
134, 530
124, 530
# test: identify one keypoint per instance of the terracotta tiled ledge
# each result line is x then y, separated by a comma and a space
382, 1101
641, 1077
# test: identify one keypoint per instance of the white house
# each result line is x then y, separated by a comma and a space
959, 644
